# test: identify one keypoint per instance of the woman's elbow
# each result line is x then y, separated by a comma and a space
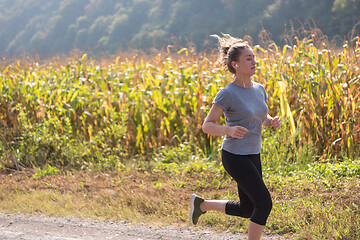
204, 127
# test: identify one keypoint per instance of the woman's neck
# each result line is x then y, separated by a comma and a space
243, 82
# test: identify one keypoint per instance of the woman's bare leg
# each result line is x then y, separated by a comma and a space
217, 205
255, 231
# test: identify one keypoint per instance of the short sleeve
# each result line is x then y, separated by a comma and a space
223, 99
266, 96
264, 92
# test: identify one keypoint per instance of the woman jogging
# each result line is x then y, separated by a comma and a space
243, 103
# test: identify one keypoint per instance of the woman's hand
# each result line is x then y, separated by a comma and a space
275, 122
237, 131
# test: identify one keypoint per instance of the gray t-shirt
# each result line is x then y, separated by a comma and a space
244, 107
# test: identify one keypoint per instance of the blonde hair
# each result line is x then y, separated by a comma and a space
230, 50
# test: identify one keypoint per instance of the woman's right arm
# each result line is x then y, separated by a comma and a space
210, 125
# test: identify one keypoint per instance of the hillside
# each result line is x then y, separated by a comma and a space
49, 27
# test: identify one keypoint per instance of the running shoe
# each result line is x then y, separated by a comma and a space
195, 212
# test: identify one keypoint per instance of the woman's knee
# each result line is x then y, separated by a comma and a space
267, 205
262, 212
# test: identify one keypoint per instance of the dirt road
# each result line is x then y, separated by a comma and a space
38, 227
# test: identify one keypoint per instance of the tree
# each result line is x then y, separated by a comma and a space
346, 14
56, 26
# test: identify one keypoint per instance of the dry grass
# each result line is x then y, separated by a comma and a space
303, 209
137, 197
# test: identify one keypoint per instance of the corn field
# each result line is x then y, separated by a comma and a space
163, 100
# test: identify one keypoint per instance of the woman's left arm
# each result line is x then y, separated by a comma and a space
274, 122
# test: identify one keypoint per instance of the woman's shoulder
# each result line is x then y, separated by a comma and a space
259, 86
261, 89
226, 89
223, 92
224, 98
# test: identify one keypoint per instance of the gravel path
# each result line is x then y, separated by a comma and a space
38, 227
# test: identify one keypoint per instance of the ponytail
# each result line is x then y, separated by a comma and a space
230, 49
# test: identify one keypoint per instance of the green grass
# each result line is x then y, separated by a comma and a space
312, 199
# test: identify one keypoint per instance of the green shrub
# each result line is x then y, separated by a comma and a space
46, 171
52, 141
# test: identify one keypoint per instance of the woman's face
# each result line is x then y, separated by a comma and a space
246, 64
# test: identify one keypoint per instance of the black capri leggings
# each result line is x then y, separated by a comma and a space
255, 200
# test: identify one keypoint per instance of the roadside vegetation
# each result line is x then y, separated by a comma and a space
121, 138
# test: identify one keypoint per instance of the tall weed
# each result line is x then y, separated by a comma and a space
52, 142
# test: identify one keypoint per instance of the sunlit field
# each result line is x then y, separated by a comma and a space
142, 114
